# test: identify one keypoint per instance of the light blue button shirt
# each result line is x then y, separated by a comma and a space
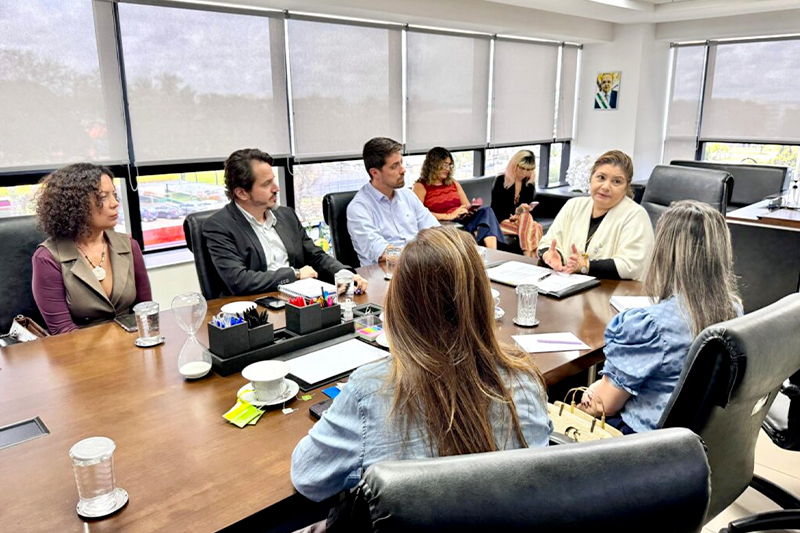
375, 222
358, 430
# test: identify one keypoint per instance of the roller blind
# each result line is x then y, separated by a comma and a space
448, 90
752, 92
58, 104
346, 86
524, 91
569, 85
684, 103
202, 84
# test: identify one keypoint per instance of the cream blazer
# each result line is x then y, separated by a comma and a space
625, 235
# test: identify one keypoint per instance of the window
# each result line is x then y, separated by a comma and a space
497, 158
760, 154
554, 174
58, 107
463, 162
166, 199
448, 90
345, 79
684, 102
202, 84
313, 181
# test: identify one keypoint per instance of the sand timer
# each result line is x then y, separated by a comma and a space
189, 309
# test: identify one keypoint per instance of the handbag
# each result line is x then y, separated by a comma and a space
24, 329
579, 425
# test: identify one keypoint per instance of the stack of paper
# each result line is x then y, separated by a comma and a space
307, 288
623, 303
547, 281
550, 342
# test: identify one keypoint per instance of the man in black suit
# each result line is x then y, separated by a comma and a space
255, 245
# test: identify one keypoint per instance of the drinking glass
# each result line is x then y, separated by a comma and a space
345, 285
93, 466
147, 320
392, 257
527, 296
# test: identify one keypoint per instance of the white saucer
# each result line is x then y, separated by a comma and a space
140, 344
120, 499
499, 313
495, 293
535, 323
382, 340
292, 389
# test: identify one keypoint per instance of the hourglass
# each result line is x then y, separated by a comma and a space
189, 309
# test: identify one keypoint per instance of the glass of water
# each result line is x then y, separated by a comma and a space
147, 320
392, 257
527, 296
345, 286
93, 466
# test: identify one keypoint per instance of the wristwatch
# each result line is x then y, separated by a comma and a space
585, 267
296, 272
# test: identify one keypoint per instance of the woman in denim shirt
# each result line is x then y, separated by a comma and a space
449, 388
691, 276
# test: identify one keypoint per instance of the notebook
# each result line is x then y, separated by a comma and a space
308, 288
623, 303
547, 281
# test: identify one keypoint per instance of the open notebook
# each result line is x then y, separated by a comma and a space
547, 281
308, 288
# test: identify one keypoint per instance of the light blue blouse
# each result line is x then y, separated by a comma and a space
645, 352
358, 430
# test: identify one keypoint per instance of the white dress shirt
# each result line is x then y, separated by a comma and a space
274, 250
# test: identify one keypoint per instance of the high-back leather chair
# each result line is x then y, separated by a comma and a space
660, 484
211, 284
732, 374
334, 210
480, 187
752, 182
19, 238
669, 184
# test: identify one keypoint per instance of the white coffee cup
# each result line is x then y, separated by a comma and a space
267, 378
236, 308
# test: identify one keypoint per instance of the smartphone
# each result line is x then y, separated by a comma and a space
317, 409
271, 302
127, 322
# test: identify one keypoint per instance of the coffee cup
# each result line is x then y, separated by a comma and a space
236, 308
268, 379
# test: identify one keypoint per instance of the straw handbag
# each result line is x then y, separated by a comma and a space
579, 425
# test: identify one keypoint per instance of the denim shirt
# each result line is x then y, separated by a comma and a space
374, 222
359, 430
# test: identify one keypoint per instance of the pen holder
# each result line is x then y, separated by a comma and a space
230, 341
261, 336
331, 315
303, 320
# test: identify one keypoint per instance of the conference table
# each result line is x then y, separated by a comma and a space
184, 466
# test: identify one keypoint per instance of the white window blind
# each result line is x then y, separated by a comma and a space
684, 103
346, 86
524, 91
448, 90
58, 107
202, 84
752, 92
566, 97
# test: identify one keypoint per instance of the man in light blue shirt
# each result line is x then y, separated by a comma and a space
383, 212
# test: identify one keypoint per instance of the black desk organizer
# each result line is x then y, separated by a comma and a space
231, 350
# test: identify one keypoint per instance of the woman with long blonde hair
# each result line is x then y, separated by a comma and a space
512, 201
449, 387
691, 277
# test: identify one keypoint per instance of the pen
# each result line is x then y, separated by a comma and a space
547, 341
545, 276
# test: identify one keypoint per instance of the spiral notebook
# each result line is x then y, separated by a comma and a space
307, 288
548, 282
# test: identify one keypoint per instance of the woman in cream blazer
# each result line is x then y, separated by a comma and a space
607, 234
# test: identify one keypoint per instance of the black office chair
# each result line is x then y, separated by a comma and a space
669, 184
211, 285
658, 481
480, 187
733, 372
19, 238
334, 210
753, 182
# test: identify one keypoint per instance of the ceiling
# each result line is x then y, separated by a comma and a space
653, 11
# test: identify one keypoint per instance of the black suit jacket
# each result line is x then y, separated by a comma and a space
239, 258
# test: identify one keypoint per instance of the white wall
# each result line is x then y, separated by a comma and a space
636, 126
170, 281
754, 25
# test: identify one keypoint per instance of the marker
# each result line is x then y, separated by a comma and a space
546, 341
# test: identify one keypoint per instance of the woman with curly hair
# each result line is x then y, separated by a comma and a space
85, 272
446, 200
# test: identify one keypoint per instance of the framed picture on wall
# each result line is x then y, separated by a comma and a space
607, 96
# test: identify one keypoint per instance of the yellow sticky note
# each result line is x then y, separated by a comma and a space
241, 414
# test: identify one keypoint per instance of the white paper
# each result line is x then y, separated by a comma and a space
546, 280
334, 360
622, 303
550, 342
309, 287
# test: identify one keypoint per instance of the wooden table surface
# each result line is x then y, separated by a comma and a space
758, 213
184, 466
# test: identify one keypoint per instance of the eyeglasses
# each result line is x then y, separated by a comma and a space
448, 165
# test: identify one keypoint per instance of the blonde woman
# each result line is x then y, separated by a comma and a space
691, 277
446, 200
512, 201
449, 388
606, 234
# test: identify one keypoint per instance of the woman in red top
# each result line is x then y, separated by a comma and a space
446, 200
